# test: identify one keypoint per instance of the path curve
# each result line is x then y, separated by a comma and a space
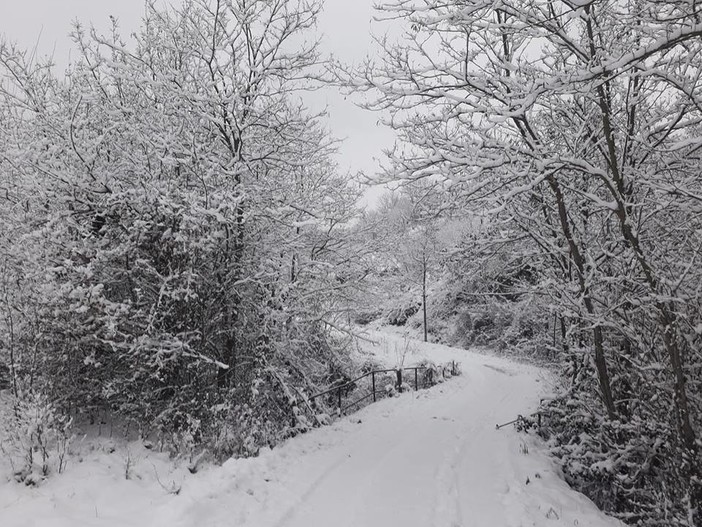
431, 458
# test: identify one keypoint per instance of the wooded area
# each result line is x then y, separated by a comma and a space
179, 249
174, 232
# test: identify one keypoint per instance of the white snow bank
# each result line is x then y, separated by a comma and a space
94, 489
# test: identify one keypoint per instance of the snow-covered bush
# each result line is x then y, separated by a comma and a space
35, 438
630, 469
403, 308
429, 374
190, 250
486, 304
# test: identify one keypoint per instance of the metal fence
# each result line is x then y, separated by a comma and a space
376, 384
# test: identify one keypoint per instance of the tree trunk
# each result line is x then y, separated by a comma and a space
578, 260
424, 295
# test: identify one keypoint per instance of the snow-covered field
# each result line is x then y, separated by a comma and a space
427, 458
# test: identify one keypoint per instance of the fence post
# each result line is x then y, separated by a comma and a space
399, 381
373, 379
339, 392
416, 382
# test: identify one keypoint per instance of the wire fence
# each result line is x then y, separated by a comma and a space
378, 384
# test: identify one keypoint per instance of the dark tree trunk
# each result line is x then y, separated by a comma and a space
424, 296
579, 261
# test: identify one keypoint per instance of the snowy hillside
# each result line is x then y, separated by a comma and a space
427, 458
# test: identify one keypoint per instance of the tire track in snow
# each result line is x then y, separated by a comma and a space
397, 483
450, 497
292, 511
347, 477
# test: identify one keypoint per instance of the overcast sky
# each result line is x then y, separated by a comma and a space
345, 23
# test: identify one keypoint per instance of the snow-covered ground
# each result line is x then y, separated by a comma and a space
427, 458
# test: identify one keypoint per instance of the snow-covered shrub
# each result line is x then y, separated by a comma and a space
370, 364
35, 438
175, 264
391, 389
462, 327
527, 329
365, 317
400, 314
630, 469
265, 415
429, 374
487, 302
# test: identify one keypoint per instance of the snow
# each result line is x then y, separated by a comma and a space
426, 458
93, 491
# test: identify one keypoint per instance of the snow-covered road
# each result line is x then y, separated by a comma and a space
426, 458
